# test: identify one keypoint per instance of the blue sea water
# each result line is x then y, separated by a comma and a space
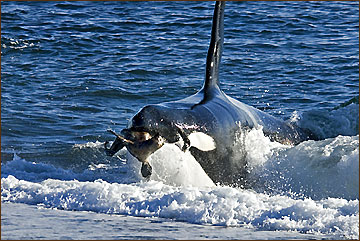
71, 70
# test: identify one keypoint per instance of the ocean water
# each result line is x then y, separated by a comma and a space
72, 70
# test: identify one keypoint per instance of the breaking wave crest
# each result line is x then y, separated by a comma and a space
224, 206
309, 188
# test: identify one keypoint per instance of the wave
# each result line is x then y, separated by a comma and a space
312, 169
309, 188
222, 206
342, 120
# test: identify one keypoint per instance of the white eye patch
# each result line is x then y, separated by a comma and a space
202, 141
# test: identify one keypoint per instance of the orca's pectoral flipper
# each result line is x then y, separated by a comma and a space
213, 58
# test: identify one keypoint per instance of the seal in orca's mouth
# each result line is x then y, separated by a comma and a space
204, 123
139, 143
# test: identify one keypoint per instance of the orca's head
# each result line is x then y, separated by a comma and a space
153, 120
147, 131
153, 126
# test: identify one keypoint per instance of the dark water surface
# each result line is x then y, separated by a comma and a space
70, 70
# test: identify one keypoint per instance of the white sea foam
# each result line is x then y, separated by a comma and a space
181, 169
316, 169
19, 44
310, 188
223, 206
96, 144
326, 124
37, 172
173, 167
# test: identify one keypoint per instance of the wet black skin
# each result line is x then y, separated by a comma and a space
217, 118
209, 111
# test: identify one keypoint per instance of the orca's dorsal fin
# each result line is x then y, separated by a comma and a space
214, 53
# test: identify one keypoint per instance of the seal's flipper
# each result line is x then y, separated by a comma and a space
213, 58
117, 145
146, 169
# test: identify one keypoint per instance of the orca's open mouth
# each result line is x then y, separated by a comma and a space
141, 143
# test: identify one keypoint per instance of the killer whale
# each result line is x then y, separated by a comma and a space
206, 123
